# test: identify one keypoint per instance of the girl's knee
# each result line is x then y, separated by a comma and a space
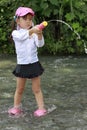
36, 91
20, 90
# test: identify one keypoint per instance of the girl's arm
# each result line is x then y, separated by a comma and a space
38, 42
22, 34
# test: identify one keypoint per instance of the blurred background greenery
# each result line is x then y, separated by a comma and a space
59, 38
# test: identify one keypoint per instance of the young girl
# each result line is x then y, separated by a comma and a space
27, 39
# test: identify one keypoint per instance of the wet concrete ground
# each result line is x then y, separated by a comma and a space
64, 85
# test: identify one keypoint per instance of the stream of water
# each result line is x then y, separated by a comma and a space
77, 34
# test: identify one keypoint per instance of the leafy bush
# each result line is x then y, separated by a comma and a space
58, 37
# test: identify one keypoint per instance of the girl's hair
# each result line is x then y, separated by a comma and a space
13, 27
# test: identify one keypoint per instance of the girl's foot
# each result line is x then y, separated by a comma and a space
15, 111
39, 112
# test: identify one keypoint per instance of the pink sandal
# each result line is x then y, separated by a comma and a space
15, 111
39, 112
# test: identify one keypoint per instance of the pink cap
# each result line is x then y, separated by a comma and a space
21, 11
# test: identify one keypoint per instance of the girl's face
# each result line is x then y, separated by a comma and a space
25, 22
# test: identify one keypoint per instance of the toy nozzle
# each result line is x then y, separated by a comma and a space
42, 25
45, 23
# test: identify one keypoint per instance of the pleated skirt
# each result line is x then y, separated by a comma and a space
28, 71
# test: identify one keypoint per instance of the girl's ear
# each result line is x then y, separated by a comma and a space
17, 20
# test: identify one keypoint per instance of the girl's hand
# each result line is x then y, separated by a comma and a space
36, 30
40, 35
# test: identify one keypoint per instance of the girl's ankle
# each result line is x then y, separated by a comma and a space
18, 106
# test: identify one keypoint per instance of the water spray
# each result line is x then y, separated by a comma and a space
61, 21
45, 23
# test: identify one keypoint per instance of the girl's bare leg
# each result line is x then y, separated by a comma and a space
19, 91
37, 92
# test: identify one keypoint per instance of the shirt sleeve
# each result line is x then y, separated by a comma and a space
39, 43
20, 35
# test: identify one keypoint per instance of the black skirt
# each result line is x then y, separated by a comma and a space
28, 71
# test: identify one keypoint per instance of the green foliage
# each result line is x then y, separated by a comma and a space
58, 37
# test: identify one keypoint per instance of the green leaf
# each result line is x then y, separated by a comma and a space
46, 12
55, 11
69, 16
44, 5
54, 2
75, 25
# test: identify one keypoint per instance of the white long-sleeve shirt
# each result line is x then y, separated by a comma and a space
26, 46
